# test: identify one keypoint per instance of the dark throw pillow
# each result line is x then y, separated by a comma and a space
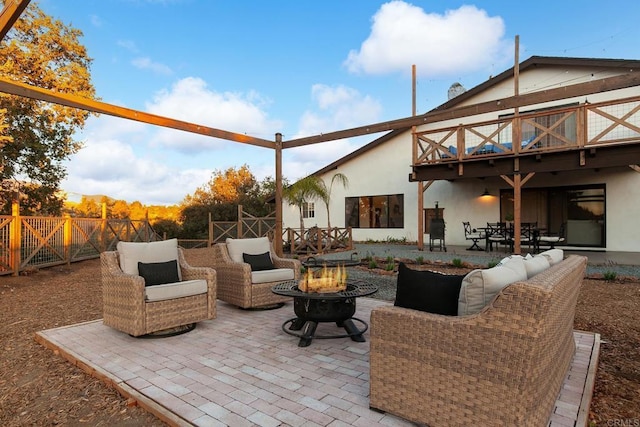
428, 291
159, 273
258, 262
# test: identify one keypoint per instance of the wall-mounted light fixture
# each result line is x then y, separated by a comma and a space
486, 193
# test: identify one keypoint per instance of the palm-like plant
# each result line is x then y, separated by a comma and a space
301, 192
325, 196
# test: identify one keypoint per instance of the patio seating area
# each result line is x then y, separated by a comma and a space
242, 369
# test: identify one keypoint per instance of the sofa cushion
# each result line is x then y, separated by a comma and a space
428, 291
479, 287
159, 273
535, 265
253, 246
131, 253
274, 275
259, 262
554, 256
517, 264
175, 290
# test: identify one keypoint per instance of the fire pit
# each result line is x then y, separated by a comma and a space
312, 308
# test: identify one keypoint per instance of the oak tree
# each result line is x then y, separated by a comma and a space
40, 51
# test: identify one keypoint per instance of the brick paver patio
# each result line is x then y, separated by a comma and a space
241, 369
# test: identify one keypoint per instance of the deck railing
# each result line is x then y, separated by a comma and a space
567, 128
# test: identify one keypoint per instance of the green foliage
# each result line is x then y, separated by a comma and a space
389, 259
492, 263
396, 240
610, 275
419, 260
303, 191
457, 262
221, 197
373, 263
166, 227
45, 53
390, 266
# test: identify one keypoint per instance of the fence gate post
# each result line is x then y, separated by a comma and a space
15, 238
67, 238
240, 235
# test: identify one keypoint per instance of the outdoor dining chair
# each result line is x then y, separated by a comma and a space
473, 235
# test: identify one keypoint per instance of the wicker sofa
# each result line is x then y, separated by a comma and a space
502, 366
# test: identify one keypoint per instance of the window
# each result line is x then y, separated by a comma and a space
308, 210
375, 211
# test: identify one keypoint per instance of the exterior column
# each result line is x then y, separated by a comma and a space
277, 238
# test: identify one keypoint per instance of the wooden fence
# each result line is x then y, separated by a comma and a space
35, 242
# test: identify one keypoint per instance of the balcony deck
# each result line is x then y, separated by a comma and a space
584, 136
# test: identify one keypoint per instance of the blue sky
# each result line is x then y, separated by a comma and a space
295, 67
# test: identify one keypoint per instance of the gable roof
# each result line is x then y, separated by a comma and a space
626, 65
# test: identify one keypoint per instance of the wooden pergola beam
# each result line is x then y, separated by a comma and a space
581, 89
10, 13
69, 100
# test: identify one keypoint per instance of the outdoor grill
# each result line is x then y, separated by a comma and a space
436, 231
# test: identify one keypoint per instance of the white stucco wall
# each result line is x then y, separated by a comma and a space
385, 170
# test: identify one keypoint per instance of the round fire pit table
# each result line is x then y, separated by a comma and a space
312, 308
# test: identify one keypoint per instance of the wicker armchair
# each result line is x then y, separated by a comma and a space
502, 366
127, 308
237, 284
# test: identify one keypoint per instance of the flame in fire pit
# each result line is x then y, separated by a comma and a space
328, 280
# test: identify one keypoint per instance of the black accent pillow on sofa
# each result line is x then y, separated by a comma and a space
428, 291
159, 273
259, 262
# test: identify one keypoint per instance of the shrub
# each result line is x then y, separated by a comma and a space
492, 263
610, 276
389, 259
390, 266
373, 263
419, 260
457, 262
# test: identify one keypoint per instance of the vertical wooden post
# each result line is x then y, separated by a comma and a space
211, 236
516, 137
147, 226
103, 228
239, 226
414, 160
15, 238
68, 238
277, 238
517, 204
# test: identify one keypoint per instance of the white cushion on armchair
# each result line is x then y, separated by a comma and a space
133, 252
252, 246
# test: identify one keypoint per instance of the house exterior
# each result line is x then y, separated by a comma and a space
575, 170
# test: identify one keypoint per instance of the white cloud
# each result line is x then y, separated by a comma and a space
112, 168
128, 45
459, 41
96, 21
145, 63
337, 108
190, 100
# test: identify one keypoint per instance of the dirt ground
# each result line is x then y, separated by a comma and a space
38, 387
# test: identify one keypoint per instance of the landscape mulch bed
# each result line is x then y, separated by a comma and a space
38, 387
